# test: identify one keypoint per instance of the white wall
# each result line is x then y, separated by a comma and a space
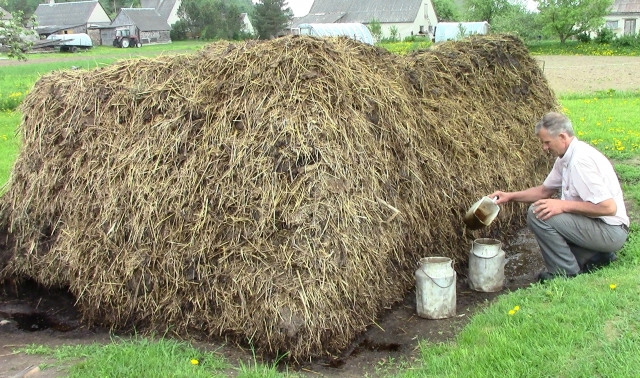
620, 18
426, 17
173, 16
247, 25
99, 15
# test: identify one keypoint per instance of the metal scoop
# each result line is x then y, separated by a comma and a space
482, 213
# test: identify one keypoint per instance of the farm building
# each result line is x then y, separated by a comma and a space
624, 17
167, 9
146, 23
406, 17
71, 17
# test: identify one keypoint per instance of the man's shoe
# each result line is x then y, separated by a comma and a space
548, 276
600, 260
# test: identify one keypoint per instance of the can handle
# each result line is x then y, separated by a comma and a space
453, 279
489, 257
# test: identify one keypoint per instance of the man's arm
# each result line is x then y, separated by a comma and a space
529, 195
546, 208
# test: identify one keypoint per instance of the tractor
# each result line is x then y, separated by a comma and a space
124, 38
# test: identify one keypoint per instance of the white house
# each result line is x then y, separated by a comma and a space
624, 18
409, 17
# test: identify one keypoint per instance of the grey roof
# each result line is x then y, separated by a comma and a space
385, 11
4, 15
625, 6
65, 14
163, 7
146, 19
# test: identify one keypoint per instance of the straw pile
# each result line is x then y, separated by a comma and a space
280, 192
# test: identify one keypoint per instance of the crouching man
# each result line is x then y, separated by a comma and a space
582, 230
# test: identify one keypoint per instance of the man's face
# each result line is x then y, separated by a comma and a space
555, 145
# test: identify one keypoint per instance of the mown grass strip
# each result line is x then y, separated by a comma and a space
138, 357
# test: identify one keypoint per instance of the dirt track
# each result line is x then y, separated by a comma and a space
568, 73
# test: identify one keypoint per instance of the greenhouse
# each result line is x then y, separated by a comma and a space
356, 31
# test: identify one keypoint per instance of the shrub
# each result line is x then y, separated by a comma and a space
584, 37
179, 31
604, 36
394, 36
627, 41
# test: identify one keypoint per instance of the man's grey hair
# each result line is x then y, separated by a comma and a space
555, 123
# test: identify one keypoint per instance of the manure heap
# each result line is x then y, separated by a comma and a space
278, 191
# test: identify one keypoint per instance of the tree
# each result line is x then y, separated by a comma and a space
520, 21
376, 29
446, 10
14, 37
210, 19
271, 17
487, 10
24, 6
567, 18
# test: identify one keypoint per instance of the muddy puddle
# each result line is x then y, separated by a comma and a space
37, 313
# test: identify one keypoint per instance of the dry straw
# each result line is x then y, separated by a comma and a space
280, 191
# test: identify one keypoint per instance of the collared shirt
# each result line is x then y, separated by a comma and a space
585, 174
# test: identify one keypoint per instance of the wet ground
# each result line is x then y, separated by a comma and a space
47, 317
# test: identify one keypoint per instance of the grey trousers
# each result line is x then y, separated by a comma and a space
567, 241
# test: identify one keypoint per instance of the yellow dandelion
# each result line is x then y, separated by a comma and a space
517, 308
195, 362
512, 312
613, 286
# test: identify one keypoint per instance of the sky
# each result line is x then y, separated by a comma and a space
300, 7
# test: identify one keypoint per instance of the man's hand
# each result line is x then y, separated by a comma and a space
503, 197
546, 208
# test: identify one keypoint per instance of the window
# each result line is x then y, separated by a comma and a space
629, 27
612, 24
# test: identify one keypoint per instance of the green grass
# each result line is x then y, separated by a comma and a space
139, 357
118, 53
402, 48
17, 80
9, 143
142, 357
609, 121
579, 48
